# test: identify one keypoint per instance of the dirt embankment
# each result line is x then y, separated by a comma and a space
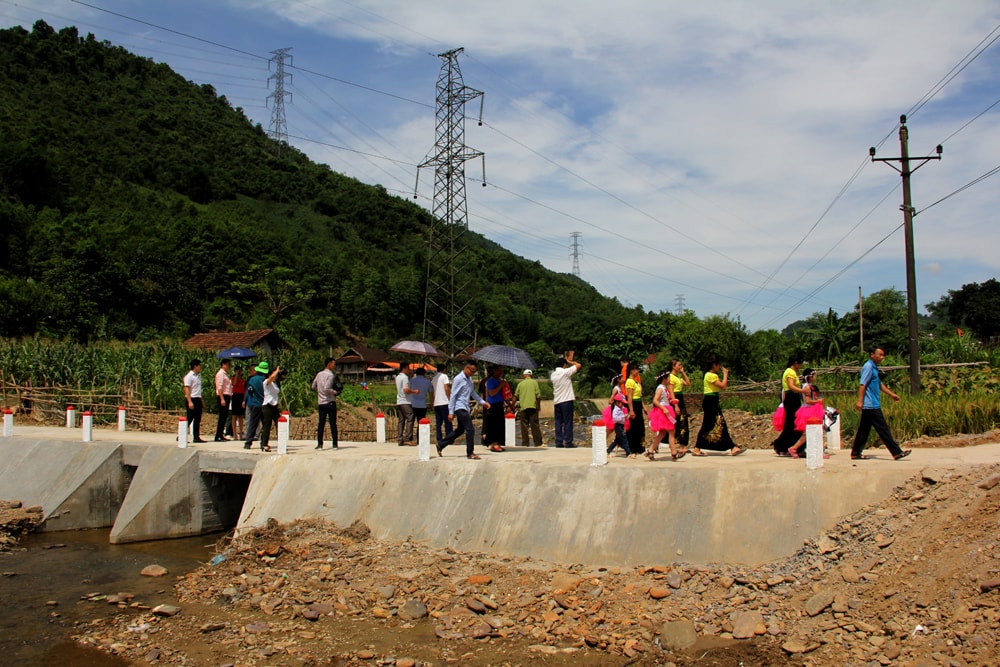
15, 520
912, 580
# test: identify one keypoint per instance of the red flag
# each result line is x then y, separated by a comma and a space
960, 332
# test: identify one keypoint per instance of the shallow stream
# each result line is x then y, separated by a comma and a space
47, 579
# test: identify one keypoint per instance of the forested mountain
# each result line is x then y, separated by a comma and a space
136, 204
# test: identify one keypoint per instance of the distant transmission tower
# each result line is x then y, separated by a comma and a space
679, 304
575, 240
278, 130
448, 316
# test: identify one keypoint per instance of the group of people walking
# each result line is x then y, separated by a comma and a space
257, 398
668, 415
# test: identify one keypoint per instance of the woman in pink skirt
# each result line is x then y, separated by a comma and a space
662, 418
813, 409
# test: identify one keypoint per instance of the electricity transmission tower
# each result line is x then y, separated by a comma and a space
575, 240
278, 129
448, 316
679, 304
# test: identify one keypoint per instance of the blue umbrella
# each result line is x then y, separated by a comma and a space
236, 353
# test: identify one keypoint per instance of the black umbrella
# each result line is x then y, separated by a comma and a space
236, 353
505, 355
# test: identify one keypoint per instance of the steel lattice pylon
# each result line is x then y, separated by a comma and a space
448, 316
278, 129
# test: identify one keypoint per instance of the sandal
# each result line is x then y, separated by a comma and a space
496, 448
679, 455
265, 448
474, 457
737, 450
632, 456
697, 452
650, 454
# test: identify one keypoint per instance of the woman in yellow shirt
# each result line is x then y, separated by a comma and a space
637, 412
791, 399
714, 432
678, 380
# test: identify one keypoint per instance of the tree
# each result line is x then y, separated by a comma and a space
975, 307
823, 335
885, 321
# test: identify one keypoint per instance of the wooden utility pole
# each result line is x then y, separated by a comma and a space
911, 272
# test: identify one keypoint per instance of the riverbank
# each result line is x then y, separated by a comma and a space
909, 580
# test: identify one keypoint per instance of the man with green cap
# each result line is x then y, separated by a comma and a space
254, 400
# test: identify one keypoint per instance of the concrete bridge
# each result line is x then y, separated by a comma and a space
547, 503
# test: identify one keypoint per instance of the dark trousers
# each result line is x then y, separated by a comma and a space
327, 412
465, 426
253, 425
873, 418
404, 417
620, 439
418, 414
529, 421
636, 433
564, 423
194, 417
220, 427
268, 415
444, 427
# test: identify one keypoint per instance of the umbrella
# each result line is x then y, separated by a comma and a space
415, 347
236, 353
504, 355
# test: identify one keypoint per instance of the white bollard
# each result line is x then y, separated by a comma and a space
833, 435
508, 430
380, 428
283, 434
599, 443
182, 432
8, 423
814, 444
88, 426
424, 440
70, 417
121, 418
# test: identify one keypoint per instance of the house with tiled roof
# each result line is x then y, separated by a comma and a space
359, 360
263, 341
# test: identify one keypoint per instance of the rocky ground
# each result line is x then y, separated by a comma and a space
910, 581
15, 520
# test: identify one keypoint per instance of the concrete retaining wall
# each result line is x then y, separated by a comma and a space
614, 515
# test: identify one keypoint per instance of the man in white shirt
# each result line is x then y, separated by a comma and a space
404, 409
563, 397
192, 393
442, 391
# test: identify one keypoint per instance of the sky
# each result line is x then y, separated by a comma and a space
712, 156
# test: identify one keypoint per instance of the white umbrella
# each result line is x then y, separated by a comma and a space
416, 347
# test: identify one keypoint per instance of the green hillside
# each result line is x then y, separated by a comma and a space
135, 204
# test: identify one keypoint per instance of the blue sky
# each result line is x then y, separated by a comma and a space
715, 150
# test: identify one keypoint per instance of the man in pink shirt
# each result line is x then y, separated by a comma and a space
224, 391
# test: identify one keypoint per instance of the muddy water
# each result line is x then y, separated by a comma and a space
65, 567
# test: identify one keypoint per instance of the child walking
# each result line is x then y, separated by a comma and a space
619, 412
662, 419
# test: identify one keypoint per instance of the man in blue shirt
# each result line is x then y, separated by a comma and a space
870, 404
458, 406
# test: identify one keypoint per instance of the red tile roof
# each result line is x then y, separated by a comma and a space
221, 340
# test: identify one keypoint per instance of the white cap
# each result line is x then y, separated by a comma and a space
527, 371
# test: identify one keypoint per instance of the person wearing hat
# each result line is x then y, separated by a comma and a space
255, 400
619, 412
528, 396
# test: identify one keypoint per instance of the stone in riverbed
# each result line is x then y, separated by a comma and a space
153, 571
412, 610
676, 635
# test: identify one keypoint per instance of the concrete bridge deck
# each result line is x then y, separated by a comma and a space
548, 503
